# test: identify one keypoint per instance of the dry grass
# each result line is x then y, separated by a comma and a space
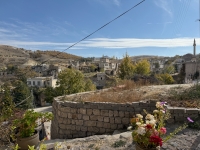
125, 92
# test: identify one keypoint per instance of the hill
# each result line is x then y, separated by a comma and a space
20, 56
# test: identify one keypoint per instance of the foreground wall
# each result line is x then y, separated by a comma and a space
81, 119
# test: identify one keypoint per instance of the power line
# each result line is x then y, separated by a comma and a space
98, 29
93, 32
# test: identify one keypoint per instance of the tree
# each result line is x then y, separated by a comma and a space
165, 78
169, 69
126, 68
142, 67
22, 96
6, 104
89, 86
157, 65
72, 81
92, 67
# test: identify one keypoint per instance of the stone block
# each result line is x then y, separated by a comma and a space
192, 111
82, 134
116, 113
62, 132
94, 106
126, 114
113, 126
63, 115
112, 120
89, 111
121, 114
65, 109
118, 120
67, 131
125, 121
79, 122
104, 113
93, 117
106, 125
90, 123
111, 113
100, 118
102, 130
60, 120
69, 115
96, 112
67, 121
62, 126
171, 120
74, 116
135, 104
83, 128
109, 130
120, 126
82, 111
78, 128
179, 110
106, 119
93, 129
179, 119
79, 116
73, 122
85, 117
73, 110
99, 124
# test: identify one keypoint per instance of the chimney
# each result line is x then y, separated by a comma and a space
194, 48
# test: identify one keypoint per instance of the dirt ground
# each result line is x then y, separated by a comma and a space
152, 92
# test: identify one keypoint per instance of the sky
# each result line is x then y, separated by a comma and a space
154, 27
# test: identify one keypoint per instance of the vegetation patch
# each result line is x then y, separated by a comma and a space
119, 143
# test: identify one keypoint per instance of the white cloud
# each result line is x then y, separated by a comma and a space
107, 43
116, 2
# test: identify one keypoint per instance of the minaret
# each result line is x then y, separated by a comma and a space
194, 47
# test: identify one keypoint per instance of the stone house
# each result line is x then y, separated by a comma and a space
41, 82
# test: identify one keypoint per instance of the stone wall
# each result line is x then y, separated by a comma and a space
81, 119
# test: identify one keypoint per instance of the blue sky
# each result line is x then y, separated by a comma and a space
155, 27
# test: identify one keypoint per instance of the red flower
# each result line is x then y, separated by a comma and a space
156, 140
163, 130
148, 126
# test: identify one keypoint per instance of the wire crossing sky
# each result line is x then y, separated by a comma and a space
156, 27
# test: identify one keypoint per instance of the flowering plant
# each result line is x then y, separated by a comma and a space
149, 131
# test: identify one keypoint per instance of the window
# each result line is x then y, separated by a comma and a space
29, 83
38, 83
33, 82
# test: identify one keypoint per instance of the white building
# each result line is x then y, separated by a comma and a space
42, 82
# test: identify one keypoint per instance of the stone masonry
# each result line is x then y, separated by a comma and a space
81, 119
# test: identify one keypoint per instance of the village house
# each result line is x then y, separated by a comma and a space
41, 82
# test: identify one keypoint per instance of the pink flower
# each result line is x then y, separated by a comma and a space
163, 130
190, 120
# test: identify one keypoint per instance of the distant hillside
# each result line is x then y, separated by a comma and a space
56, 54
20, 56
145, 57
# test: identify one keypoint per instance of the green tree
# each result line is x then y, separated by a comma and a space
6, 104
157, 65
22, 96
165, 78
142, 67
49, 94
169, 69
126, 68
92, 67
89, 86
72, 81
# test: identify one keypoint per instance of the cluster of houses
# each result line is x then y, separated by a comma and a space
105, 67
